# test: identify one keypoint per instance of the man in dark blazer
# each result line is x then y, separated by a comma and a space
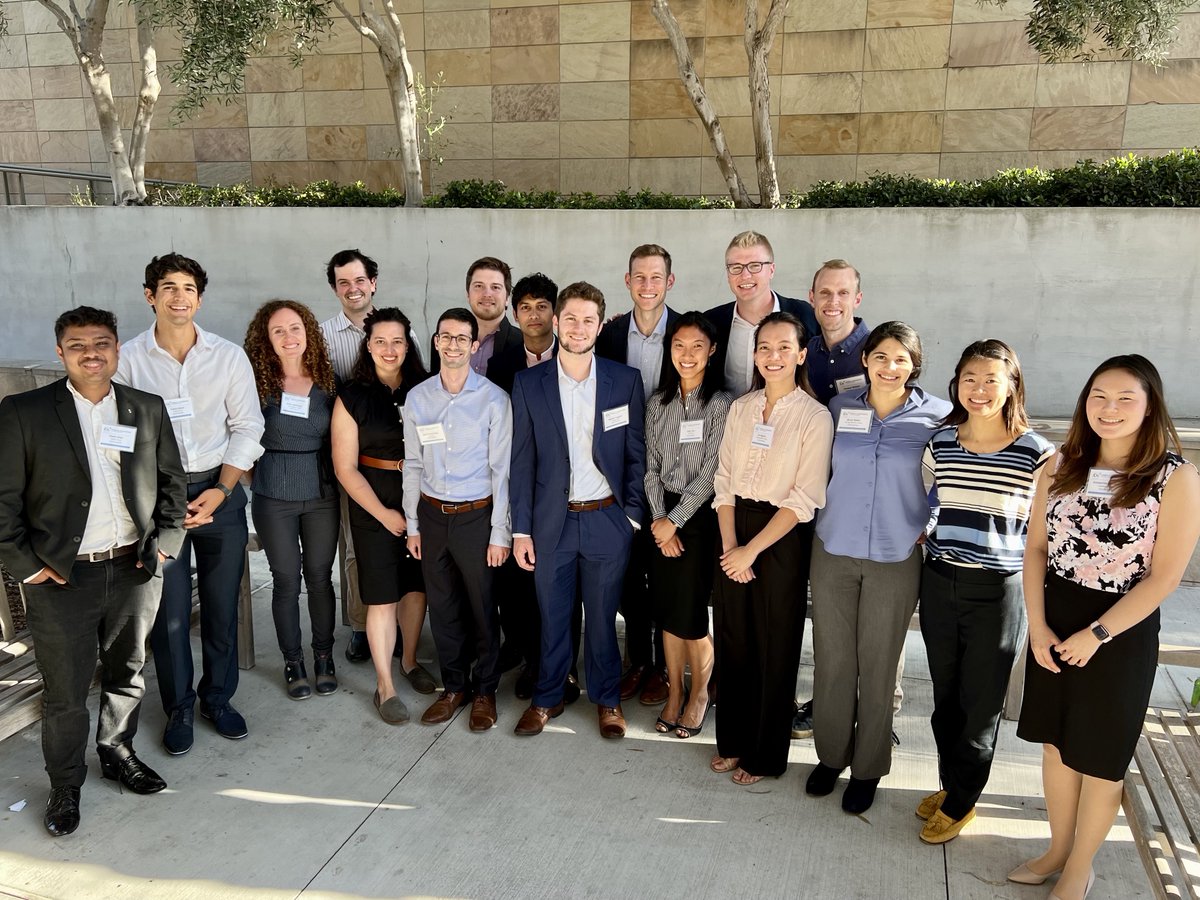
533, 308
638, 339
92, 500
489, 282
749, 268
577, 495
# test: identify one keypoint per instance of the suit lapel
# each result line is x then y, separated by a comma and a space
126, 416
603, 393
69, 418
553, 400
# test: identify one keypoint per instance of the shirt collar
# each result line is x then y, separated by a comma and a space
546, 354
342, 323
852, 341
474, 379
78, 396
564, 378
774, 309
660, 328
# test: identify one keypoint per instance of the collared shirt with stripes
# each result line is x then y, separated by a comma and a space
982, 500
686, 469
344, 340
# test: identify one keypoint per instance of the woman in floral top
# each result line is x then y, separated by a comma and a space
1113, 526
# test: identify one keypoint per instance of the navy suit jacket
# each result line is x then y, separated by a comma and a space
46, 484
540, 476
613, 342
503, 367
722, 317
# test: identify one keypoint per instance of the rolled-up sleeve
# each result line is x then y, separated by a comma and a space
245, 419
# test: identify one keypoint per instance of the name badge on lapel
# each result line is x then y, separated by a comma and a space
118, 437
294, 405
431, 434
1099, 483
180, 408
616, 417
855, 421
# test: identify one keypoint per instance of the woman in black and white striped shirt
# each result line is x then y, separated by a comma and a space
685, 419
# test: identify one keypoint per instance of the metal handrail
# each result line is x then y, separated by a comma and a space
90, 177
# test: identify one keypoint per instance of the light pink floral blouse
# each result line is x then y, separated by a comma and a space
1102, 548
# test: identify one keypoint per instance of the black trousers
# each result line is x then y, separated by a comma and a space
299, 536
107, 615
643, 639
458, 591
972, 621
759, 630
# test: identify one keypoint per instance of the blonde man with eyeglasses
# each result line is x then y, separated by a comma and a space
749, 269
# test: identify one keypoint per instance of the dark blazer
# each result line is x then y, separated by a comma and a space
507, 336
722, 317
46, 484
503, 367
540, 476
613, 342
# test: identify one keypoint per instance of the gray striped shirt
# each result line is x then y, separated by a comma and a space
682, 468
344, 340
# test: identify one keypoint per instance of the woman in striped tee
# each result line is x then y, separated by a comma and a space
983, 465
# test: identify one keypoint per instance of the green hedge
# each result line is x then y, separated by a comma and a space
1170, 180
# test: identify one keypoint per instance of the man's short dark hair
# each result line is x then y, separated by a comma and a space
345, 257
580, 290
82, 317
535, 285
491, 262
162, 266
458, 314
647, 251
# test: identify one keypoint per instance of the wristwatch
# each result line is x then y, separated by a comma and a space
228, 492
1101, 633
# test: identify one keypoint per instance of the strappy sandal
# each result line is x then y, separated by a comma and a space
723, 764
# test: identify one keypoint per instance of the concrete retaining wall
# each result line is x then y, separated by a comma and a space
1066, 287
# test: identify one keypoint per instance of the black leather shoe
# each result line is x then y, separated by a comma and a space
822, 780
296, 679
571, 690
177, 738
133, 774
227, 720
62, 811
358, 650
327, 682
859, 795
526, 682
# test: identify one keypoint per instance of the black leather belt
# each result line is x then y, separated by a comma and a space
201, 477
106, 555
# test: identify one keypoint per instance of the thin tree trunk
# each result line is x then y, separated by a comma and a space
147, 98
758, 48
695, 91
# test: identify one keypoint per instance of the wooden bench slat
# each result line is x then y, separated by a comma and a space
1158, 860
1180, 800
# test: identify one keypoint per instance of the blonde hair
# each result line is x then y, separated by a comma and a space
751, 239
838, 264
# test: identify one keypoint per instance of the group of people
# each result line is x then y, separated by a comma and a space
659, 463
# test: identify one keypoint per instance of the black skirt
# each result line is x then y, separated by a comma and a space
682, 586
1093, 714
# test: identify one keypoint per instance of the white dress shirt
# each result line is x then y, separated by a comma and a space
739, 357
109, 524
532, 359
645, 352
226, 423
579, 415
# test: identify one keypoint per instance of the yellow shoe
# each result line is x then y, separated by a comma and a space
941, 828
931, 804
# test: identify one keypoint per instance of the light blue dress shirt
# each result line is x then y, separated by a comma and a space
876, 503
645, 352
579, 415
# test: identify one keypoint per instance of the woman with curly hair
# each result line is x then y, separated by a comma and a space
295, 504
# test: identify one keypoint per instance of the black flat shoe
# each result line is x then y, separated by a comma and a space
296, 679
62, 811
133, 774
177, 737
859, 795
357, 649
822, 780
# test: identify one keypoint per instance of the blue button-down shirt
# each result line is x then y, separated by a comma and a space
876, 504
645, 352
472, 462
826, 366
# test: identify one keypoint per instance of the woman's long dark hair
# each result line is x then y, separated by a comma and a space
1081, 450
785, 318
412, 370
713, 380
1016, 421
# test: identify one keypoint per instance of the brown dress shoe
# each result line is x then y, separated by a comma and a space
483, 712
656, 690
612, 721
534, 719
443, 708
631, 681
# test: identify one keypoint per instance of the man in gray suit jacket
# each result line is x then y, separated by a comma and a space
92, 501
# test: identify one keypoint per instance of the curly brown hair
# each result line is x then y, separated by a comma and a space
268, 373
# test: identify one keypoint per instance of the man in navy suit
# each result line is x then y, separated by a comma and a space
577, 495
749, 268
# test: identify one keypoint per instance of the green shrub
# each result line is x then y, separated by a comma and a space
1170, 180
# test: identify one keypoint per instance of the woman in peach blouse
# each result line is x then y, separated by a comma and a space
774, 465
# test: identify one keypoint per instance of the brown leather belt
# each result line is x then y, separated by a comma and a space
105, 555
372, 463
589, 505
453, 509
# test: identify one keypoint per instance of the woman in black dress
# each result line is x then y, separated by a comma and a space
368, 455
1113, 526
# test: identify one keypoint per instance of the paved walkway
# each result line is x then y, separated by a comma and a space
324, 799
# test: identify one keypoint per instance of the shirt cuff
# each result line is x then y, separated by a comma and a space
515, 536
636, 525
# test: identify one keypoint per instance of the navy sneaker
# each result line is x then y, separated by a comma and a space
177, 738
227, 720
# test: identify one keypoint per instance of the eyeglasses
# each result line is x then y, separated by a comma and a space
752, 267
461, 341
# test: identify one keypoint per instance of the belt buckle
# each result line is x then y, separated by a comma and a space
448, 509
99, 556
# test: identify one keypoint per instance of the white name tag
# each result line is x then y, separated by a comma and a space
616, 417
294, 405
855, 421
691, 431
180, 408
1098, 483
851, 383
431, 434
762, 436
118, 437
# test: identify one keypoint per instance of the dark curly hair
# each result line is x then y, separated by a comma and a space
268, 372
412, 370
